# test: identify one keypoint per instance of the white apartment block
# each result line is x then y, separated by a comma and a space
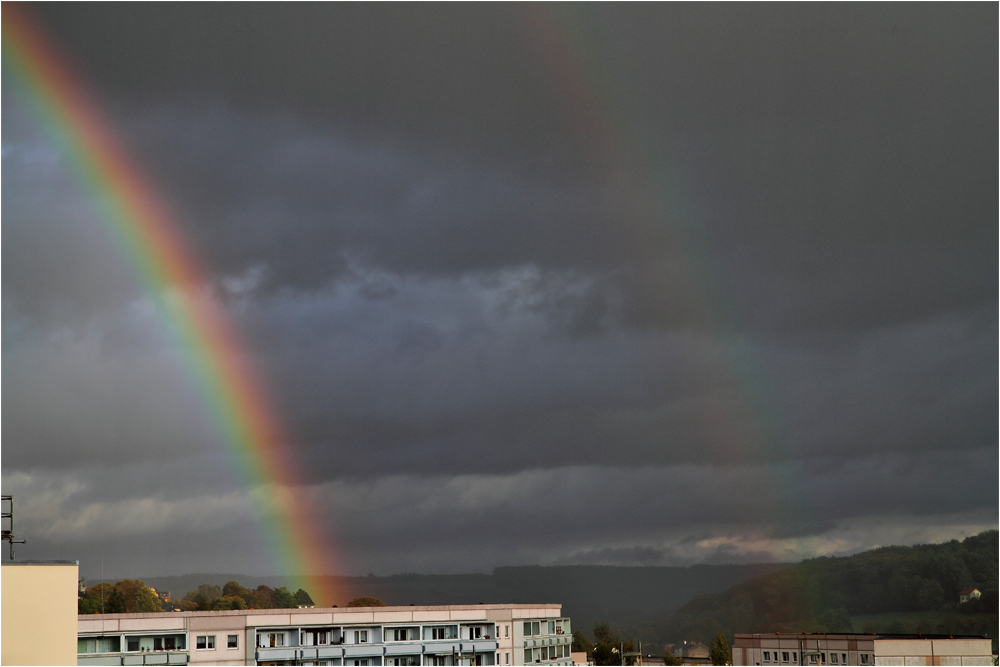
483, 634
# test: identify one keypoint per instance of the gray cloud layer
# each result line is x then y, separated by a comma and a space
752, 246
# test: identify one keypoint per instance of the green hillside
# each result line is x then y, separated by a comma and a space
889, 589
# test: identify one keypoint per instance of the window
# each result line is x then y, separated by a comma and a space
527, 656
527, 628
812, 659
833, 658
315, 637
506, 631
843, 658
133, 643
795, 656
506, 658
271, 639
361, 637
784, 656
545, 653
767, 656
98, 645
233, 641
552, 627
534, 628
864, 658
205, 642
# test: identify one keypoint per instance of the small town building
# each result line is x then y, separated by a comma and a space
967, 594
859, 649
691, 653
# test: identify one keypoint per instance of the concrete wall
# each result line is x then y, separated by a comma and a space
39, 620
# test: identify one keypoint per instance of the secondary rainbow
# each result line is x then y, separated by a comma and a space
565, 39
151, 241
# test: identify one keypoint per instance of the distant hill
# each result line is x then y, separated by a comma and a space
622, 596
887, 589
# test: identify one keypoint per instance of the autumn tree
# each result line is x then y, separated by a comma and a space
137, 597
366, 601
261, 597
233, 589
102, 598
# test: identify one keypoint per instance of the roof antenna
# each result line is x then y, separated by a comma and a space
8, 532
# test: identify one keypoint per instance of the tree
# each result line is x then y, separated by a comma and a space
581, 643
102, 598
283, 598
261, 597
227, 602
233, 589
202, 597
608, 646
366, 601
137, 597
719, 651
302, 599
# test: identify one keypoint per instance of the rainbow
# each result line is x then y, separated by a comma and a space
565, 39
151, 241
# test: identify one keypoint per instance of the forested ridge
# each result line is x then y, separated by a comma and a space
882, 588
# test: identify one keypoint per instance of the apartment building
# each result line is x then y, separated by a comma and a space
39, 611
484, 634
778, 649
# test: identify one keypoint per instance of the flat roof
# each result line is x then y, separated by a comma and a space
40, 562
335, 610
854, 635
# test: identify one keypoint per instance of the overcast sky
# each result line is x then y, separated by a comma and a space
642, 284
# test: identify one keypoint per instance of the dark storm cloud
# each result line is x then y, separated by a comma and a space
831, 144
755, 248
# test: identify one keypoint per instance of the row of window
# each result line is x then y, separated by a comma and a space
546, 653
553, 627
323, 637
835, 658
207, 642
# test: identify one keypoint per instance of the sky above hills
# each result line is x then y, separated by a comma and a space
595, 284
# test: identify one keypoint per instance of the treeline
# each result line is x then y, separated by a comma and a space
130, 596
209, 597
823, 594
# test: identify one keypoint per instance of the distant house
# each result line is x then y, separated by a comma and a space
967, 594
691, 653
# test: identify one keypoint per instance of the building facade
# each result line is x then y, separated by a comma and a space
484, 634
859, 649
39, 612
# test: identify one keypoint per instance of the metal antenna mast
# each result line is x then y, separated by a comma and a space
8, 532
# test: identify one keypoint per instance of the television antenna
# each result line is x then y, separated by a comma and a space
8, 532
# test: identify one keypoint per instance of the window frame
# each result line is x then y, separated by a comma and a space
207, 640
232, 641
